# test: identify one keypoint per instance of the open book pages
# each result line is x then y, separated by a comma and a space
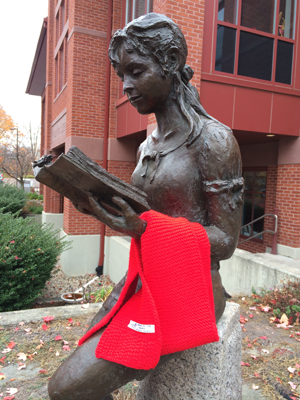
74, 175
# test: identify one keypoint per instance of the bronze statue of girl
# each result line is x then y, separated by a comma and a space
190, 166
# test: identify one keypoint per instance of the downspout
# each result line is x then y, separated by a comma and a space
106, 125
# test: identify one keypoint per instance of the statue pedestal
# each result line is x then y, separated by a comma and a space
210, 372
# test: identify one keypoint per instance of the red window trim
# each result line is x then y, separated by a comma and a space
238, 27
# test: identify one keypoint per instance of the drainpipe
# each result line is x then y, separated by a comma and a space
106, 126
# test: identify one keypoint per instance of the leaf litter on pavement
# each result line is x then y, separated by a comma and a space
270, 351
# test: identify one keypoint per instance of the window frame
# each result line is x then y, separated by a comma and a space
125, 19
254, 169
238, 28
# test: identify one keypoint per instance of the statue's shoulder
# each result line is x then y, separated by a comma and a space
216, 138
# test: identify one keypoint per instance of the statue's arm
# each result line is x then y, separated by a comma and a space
221, 168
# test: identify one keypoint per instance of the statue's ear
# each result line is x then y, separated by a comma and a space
173, 57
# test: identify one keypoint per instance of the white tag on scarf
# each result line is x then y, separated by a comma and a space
141, 328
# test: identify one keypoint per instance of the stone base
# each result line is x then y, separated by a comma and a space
210, 372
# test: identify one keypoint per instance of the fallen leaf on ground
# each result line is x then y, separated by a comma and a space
252, 308
65, 342
21, 356
6, 351
266, 309
70, 321
11, 345
68, 327
255, 387
9, 397
254, 357
2, 376
85, 305
21, 323
265, 351
43, 371
45, 327
22, 367
48, 319
27, 330
17, 328
293, 386
263, 337
57, 353
58, 338
2, 359
244, 364
66, 348
291, 370
250, 315
284, 319
12, 391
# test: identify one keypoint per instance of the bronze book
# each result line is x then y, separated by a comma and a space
74, 175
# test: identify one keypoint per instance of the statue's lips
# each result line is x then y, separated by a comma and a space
133, 99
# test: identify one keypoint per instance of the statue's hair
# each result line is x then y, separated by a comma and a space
154, 35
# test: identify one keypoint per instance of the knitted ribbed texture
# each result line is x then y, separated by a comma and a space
173, 260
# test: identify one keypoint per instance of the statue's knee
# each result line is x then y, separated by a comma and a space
56, 388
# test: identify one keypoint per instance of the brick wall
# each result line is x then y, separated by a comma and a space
288, 204
189, 15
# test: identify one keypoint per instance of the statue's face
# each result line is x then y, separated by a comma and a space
146, 88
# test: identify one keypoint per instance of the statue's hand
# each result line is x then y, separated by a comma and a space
130, 223
83, 210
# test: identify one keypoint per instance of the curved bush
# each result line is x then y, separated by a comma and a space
12, 199
28, 253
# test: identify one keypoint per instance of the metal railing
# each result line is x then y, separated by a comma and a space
260, 233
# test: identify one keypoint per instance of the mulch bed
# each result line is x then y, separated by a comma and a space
267, 353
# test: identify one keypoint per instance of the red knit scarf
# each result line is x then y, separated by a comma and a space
173, 261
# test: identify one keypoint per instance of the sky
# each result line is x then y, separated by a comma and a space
20, 26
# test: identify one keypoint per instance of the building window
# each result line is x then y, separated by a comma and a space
256, 39
254, 202
136, 8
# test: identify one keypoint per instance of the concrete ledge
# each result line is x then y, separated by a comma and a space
116, 257
37, 314
210, 372
83, 257
245, 270
56, 219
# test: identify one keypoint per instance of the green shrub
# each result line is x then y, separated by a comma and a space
28, 254
12, 199
35, 209
33, 196
40, 197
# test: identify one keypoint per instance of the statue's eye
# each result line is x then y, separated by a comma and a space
137, 72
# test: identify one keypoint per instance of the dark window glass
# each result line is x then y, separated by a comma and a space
140, 8
249, 180
286, 18
227, 11
225, 49
284, 62
254, 202
255, 56
247, 214
258, 211
258, 14
260, 181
